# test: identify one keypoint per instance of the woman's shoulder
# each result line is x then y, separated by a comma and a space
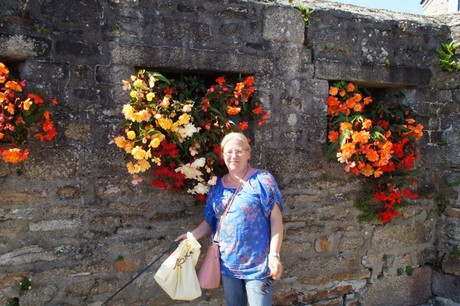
263, 176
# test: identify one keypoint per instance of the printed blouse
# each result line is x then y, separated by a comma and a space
245, 232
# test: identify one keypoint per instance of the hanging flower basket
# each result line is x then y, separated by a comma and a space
173, 128
376, 140
20, 113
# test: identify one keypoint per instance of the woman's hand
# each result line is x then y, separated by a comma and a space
276, 267
181, 237
200, 231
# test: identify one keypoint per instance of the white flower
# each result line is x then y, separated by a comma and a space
190, 172
212, 181
199, 188
200, 162
187, 130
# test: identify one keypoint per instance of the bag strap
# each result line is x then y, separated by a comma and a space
217, 235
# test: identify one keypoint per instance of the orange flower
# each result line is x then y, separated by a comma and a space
351, 102
37, 99
345, 126
358, 108
239, 86
358, 97
27, 103
249, 81
3, 73
13, 85
365, 168
15, 155
367, 124
258, 110
333, 135
368, 100
350, 87
378, 173
372, 155
348, 150
1, 136
361, 137
2, 97
10, 108
231, 110
333, 91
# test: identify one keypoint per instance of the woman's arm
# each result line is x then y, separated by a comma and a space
201, 230
276, 226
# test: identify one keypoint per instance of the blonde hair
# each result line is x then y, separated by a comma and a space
235, 136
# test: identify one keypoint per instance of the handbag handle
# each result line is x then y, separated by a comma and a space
217, 235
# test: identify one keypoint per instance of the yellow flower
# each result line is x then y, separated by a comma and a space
132, 169
131, 135
128, 111
126, 85
138, 83
129, 147
150, 96
155, 143
143, 165
120, 141
165, 103
133, 94
165, 123
157, 161
27, 104
139, 153
187, 108
184, 119
157, 139
152, 81
143, 115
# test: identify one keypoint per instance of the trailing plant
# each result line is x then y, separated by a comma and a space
449, 56
376, 140
174, 127
21, 112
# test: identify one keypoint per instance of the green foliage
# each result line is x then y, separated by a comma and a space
13, 302
24, 285
368, 206
409, 270
441, 202
42, 29
306, 13
455, 252
449, 56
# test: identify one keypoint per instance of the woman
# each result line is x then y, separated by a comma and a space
251, 233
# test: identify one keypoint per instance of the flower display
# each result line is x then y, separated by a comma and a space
20, 113
375, 140
173, 128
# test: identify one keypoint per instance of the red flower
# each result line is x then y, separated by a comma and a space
160, 184
220, 81
243, 125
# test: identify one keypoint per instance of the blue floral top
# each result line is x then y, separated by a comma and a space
245, 233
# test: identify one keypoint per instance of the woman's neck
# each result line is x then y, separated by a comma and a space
234, 178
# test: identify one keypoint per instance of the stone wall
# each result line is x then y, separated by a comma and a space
74, 223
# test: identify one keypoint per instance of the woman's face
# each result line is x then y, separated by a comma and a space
236, 155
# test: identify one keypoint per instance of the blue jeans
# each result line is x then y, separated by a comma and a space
240, 292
